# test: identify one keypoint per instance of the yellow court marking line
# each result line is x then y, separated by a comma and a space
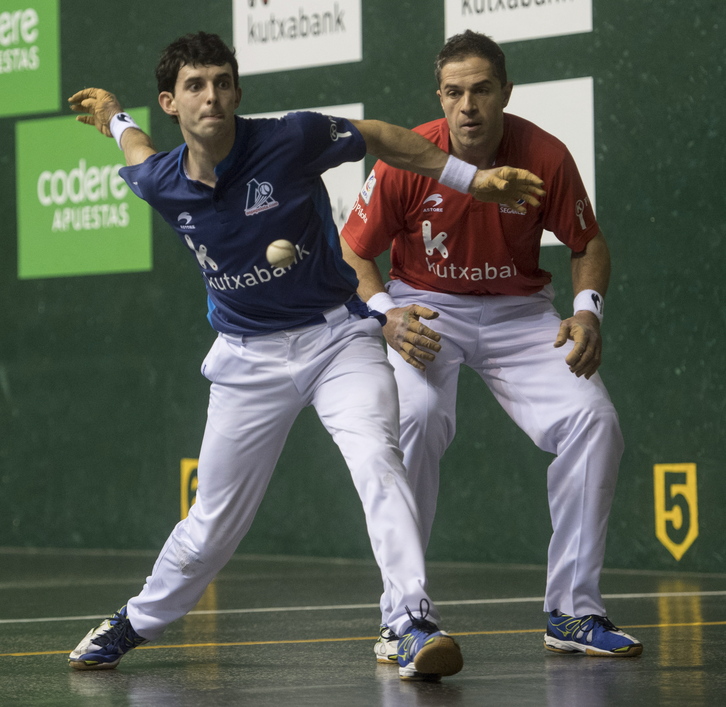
355, 638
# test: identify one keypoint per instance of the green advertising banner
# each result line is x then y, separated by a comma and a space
76, 215
29, 57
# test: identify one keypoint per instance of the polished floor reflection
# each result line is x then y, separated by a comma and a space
290, 631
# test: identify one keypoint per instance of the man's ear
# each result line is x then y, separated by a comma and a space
166, 101
507, 91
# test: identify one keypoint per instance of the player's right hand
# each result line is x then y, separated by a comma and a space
507, 185
406, 334
100, 106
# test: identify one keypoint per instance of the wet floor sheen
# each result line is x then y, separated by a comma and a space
296, 631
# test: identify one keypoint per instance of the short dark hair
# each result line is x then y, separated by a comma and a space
200, 49
461, 46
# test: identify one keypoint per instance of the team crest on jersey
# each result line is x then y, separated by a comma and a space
259, 197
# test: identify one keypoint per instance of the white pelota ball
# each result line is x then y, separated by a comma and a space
281, 253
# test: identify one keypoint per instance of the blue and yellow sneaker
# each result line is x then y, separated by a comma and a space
104, 646
592, 634
386, 647
424, 652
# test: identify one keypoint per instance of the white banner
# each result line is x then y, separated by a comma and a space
515, 20
277, 35
344, 182
565, 109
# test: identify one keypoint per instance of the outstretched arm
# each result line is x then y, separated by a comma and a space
100, 107
407, 150
590, 271
403, 331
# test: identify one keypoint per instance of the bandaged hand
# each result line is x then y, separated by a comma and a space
99, 105
506, 185
409, 337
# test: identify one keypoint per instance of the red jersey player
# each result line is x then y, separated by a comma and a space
476, 267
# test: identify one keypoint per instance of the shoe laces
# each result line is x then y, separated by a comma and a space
120, 630
605, 622
421, 623
588, 623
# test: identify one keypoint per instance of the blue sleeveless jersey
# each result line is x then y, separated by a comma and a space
268, 187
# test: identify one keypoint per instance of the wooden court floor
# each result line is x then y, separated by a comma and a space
277, 631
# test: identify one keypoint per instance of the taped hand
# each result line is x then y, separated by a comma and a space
506, 185
100, 106
584, 329
406, 334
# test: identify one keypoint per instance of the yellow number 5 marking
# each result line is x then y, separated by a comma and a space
676, 506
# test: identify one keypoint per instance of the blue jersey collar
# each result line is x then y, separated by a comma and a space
240, 142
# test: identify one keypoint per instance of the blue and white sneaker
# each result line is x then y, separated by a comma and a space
104, 646
592, 634
386, 647
424, 652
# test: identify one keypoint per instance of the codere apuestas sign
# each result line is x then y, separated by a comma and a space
76, 215
29, 57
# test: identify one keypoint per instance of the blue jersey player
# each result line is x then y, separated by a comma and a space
287, 337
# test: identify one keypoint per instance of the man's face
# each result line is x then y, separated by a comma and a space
205, 99
473, 100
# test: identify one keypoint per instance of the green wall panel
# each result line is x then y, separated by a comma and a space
100, 390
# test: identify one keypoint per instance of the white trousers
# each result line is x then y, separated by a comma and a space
259, 386
509, 341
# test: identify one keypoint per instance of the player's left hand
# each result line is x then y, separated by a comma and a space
506, 185
584, 329
100, 105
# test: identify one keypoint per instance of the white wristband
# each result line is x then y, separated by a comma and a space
590, 301
119, 123
381, 302
457, 174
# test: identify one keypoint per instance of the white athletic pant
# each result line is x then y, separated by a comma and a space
259, 386
509, 341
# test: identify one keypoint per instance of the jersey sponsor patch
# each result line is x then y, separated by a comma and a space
334, 132
204, 260
504, 209
367, 191
433, 203
433, 243
185, 221
580, 211
452, 271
